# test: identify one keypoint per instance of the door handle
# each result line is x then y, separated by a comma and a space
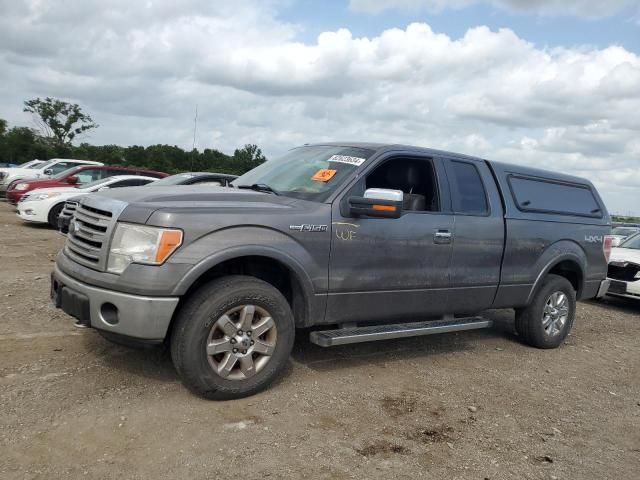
442, 237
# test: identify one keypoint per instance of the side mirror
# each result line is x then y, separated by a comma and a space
72, 180
48, 172
377, 202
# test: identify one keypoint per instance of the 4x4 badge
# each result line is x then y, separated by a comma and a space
305, 227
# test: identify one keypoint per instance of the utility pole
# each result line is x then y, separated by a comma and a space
195, 127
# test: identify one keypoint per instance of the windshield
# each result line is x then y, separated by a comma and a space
95, 183
30, 164
46, 164
624, 231
70, 172
172, 180
631, 242
309, 173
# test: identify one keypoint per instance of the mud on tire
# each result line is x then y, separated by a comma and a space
232, 338
548, 319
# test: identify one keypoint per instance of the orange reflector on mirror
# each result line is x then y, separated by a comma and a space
384, 208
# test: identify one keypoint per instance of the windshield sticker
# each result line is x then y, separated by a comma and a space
355, 161
323, 175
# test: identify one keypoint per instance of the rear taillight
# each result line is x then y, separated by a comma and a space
607, 243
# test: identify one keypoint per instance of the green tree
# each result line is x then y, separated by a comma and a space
247, 157
61, 121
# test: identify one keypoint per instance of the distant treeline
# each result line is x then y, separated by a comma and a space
21, 144
625, 219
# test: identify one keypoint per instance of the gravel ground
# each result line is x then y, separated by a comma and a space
476, 405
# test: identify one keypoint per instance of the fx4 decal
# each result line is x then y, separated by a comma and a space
593, 238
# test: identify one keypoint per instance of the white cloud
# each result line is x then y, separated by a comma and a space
140, 71
579, 8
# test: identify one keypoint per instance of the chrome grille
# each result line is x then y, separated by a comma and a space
88, 237
69, 209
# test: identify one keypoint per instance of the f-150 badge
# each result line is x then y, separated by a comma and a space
305, 227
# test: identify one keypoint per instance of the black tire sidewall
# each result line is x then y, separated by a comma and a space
189, 338
530, 323
54, 213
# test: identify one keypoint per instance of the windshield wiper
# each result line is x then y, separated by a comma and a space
260, 187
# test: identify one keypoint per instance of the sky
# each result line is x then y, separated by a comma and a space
547, 83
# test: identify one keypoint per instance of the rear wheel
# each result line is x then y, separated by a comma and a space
54, 214
548, 319
232, 338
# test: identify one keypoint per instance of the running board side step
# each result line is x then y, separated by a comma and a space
344, 336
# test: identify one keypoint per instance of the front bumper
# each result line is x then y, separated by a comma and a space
604, 287
14, 196
621, 288
29, 213
140, 317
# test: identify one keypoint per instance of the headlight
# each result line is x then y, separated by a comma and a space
141, 244
21, 186
637, 275
39, 196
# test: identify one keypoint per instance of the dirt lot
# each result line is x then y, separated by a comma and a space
470, 406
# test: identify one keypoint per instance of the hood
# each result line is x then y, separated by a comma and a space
39, 191
625, 255
195, 197
138, 204
43, 182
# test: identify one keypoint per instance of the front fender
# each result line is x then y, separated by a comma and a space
306, 257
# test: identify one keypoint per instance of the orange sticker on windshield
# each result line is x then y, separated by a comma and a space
323, 175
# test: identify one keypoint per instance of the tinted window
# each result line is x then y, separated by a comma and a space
554, 197
415, 178
132, 182
178, 179
88, 175
60, 167
467, 190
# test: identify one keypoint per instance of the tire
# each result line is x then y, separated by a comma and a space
541, 325
201, 324
54, 213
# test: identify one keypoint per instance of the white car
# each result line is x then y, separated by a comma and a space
619, 234
46, 169
624, 269
27, 165
45, 204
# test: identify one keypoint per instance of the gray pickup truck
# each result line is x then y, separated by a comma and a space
361, 241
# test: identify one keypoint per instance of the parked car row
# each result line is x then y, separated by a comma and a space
73, 178
43, 170
41, 189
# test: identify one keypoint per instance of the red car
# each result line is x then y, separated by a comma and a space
74, 177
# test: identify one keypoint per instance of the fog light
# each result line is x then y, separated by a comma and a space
109, 313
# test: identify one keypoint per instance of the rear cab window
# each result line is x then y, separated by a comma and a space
468, 194
533, 194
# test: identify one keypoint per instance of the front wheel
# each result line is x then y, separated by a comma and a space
232, 338
548, 319
54, 214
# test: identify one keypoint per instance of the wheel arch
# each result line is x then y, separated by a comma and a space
268, 264
570, 263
